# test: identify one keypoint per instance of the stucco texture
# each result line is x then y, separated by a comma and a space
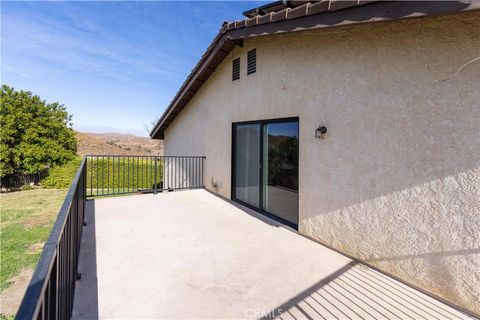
396, 180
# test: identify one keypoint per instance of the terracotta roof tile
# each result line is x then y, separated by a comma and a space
240, 24
298, 12
318, 7
280, 15
267, 18
251, 21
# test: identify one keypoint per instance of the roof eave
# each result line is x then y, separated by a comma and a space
381, 11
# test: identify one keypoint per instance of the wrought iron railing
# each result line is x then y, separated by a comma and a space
52, 287
109, 175
51, 290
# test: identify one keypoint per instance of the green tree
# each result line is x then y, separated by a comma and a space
34, 134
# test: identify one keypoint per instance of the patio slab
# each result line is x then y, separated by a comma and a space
193, 255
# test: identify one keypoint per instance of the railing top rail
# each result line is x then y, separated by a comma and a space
151, 156
30, 305
126, 174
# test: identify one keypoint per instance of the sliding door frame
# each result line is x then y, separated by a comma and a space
261, 165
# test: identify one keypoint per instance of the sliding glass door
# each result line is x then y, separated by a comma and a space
247, 164
265, 167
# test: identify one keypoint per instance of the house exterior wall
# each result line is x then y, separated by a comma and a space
396, 180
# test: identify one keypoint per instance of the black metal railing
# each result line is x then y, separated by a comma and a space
109, 175
51, 290
52, 287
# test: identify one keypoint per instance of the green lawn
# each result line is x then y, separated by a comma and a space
26, 219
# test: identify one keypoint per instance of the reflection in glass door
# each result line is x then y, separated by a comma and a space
265, 167
280, 170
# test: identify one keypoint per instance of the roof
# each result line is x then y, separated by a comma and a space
273, 7
292, 16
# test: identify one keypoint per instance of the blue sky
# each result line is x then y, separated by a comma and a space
115, 65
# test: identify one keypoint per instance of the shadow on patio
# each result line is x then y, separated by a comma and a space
191, 254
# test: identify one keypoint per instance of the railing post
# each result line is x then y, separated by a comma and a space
203, 168
155, 191
84, 189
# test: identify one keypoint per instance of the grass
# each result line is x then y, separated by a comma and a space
26, 219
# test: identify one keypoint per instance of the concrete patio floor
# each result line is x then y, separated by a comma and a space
193, 255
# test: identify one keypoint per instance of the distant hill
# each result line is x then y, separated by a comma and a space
117, 143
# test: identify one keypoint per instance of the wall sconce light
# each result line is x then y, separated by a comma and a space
320, 131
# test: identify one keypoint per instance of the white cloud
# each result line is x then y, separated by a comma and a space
83, 46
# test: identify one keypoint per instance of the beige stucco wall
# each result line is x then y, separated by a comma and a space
396, 182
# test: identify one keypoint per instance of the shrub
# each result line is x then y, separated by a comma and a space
61, 176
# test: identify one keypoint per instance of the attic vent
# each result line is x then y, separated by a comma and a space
236, 69
252, 61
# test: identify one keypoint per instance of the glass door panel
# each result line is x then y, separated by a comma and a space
247, 163
265, 156
280, 170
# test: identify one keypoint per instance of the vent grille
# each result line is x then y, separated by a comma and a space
236, 69
252, 61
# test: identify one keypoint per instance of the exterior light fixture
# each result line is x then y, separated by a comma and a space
320, 131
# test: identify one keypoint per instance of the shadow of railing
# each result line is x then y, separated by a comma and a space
86, 294
357, 292
438, 254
